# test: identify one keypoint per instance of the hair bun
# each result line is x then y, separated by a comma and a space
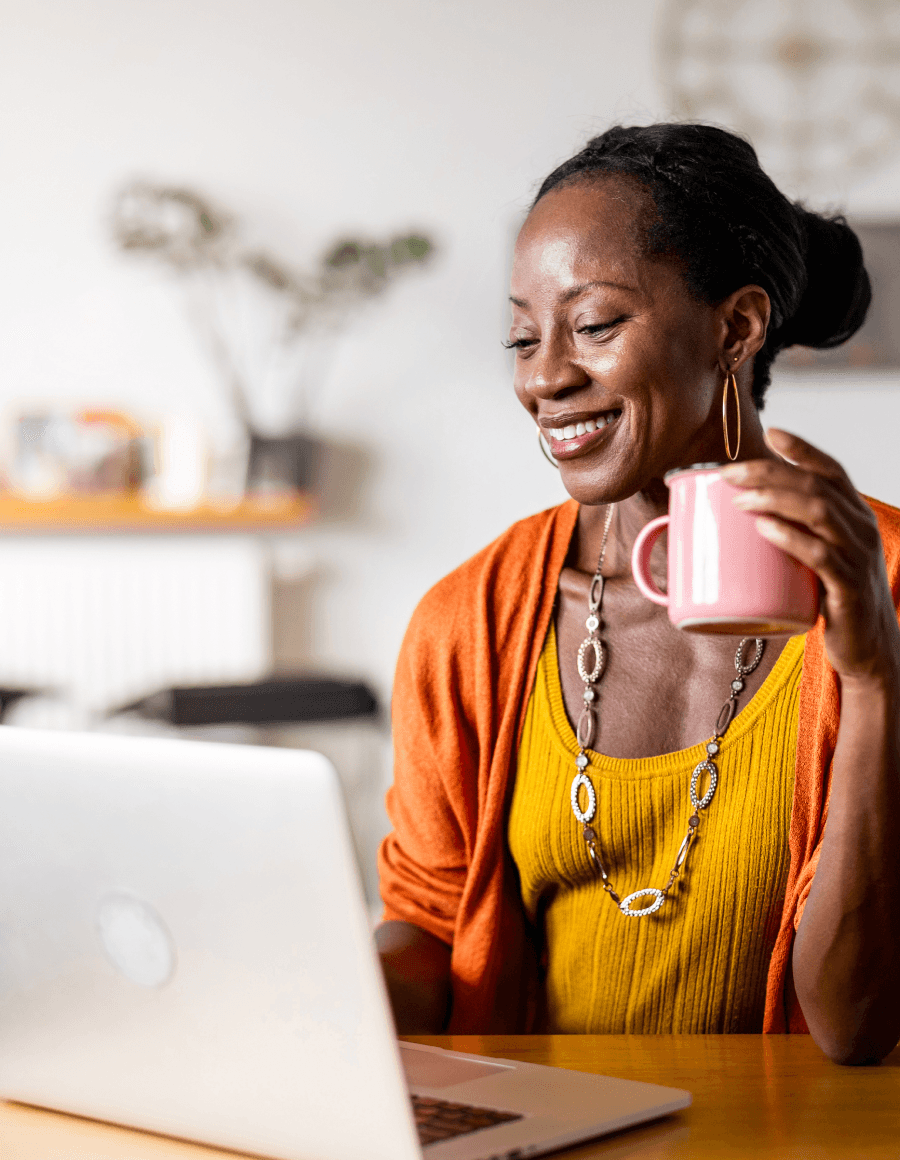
838, 291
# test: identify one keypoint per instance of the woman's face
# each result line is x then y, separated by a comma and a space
615, 360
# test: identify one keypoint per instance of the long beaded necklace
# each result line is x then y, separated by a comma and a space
584, 735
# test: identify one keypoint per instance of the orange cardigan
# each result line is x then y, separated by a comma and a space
464, 676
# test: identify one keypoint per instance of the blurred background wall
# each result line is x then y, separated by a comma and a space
310, 120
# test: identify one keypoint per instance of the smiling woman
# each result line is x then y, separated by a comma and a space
543, 775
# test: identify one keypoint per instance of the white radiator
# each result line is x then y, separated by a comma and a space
105, 620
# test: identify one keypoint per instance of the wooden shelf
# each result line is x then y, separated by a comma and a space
117, 512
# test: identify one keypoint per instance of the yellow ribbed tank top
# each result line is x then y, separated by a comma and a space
699, 964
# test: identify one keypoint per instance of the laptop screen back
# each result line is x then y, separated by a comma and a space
184, 947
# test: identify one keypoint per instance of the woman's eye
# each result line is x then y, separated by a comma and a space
596, 328
592, 330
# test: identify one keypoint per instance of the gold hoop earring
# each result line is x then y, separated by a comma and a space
544, 450
730, 380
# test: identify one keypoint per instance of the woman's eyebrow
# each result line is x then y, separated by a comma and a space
575, 291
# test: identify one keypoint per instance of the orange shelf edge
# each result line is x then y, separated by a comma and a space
116, 512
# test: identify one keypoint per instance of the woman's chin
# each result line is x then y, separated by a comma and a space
593, 486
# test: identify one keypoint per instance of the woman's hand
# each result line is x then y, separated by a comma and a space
809, 507
416, 968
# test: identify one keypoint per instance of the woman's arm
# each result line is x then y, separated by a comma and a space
416, 969
846, 957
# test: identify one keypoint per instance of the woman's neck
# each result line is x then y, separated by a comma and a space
629, 517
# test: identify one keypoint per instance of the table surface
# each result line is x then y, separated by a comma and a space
766, 1097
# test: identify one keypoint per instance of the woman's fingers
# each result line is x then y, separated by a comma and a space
833, 517
802, 467
804, 455
805, 487
779, 473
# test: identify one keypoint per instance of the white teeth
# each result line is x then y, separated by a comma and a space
585, 428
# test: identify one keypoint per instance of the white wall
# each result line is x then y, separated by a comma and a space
311, 119
855, 420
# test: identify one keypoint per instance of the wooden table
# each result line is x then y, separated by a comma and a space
766, 1097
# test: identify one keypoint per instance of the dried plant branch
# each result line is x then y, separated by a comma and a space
198, 241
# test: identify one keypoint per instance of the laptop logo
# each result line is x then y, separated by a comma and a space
135, 940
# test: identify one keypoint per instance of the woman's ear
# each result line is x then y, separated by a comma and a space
745, 319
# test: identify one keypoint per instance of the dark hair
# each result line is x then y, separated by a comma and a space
727, 225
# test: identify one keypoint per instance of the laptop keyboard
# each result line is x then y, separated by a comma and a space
442, 1120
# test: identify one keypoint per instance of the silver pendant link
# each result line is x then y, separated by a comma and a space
584, 816
591, 642
625, 904
745, 670
709, 767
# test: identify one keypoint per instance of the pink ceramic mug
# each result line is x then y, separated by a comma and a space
723, 576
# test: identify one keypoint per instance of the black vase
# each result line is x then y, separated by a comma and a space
282, 463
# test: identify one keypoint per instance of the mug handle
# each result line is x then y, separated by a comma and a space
640, 559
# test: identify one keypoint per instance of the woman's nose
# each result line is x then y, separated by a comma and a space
552, 370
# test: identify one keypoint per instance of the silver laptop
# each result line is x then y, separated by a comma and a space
184, 948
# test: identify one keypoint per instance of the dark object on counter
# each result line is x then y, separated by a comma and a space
277, 700
8, 698
282, 463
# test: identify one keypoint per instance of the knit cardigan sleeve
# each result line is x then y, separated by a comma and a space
464, 674
432, 803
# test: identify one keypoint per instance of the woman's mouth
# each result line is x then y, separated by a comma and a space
574, 437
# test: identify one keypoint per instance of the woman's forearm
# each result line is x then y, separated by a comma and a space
846, 958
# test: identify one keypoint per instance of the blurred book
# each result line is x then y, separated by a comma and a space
56, 453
